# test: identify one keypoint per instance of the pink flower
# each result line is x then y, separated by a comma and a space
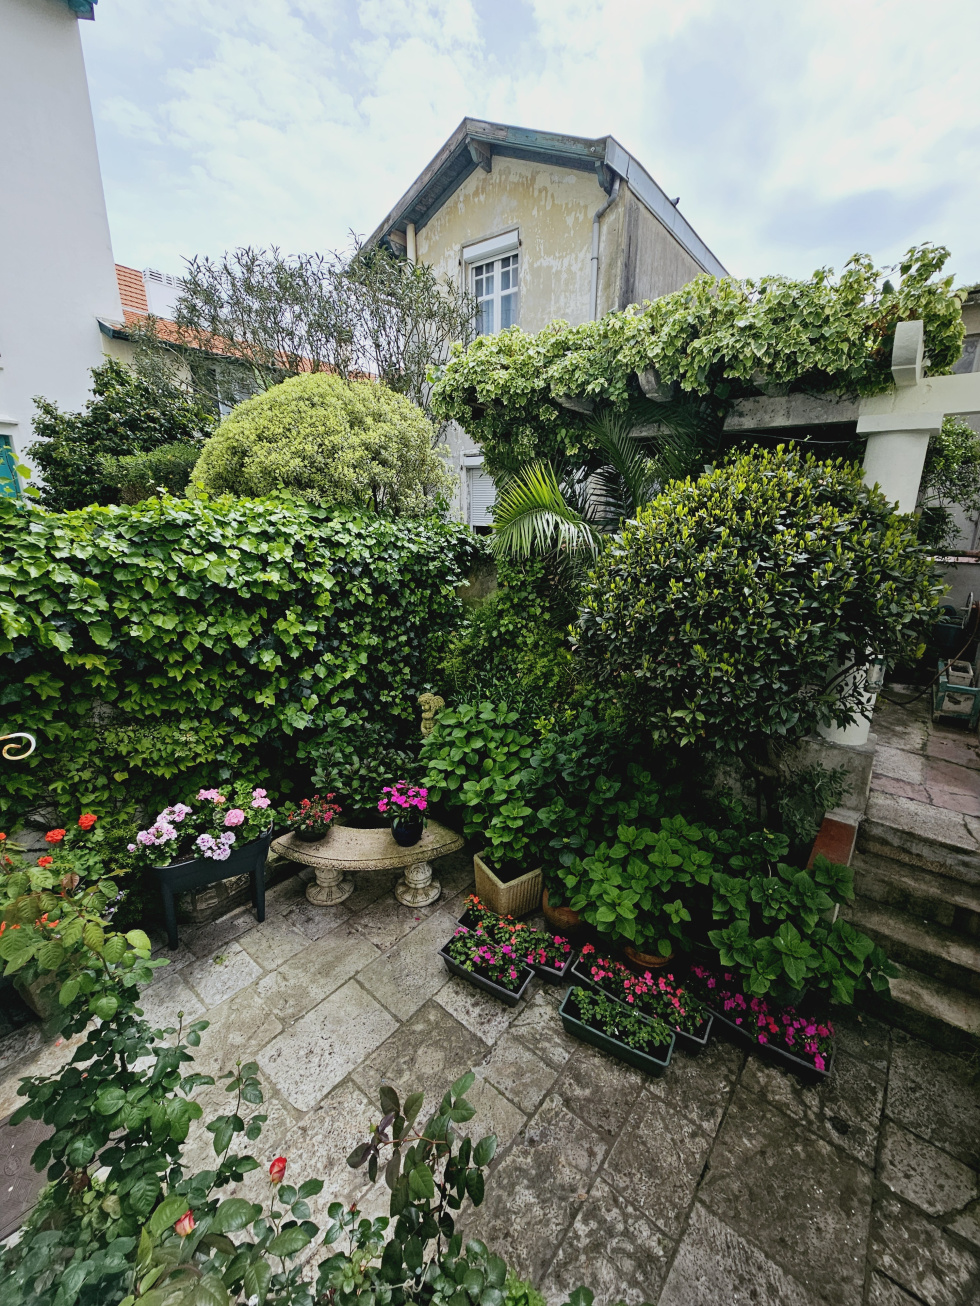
819, 1062
277, 1169
235, 817
211, 795
185, 1224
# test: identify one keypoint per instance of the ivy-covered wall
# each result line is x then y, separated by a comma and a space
153, 645
714, 339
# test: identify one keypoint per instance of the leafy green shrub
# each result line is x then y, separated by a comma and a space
140, 475
351, 444
804, 794
128, 415
951, 476
720, 612
714, 339
157, 648
356, 763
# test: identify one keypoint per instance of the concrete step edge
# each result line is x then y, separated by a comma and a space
953, 861
924, 937
938, 1001
917, 881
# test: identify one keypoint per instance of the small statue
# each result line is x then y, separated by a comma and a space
431, 705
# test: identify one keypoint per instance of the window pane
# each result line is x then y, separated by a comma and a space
508, 310
484, 318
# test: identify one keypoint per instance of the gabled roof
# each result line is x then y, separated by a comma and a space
473, 145
82, 8
132, 290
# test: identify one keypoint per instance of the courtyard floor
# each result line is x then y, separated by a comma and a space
723, 1183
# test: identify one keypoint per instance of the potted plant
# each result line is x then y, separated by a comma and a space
658, 996
803, 1043
613, 1027
549, 955
494, 967
226, 834
311, 821
405, 804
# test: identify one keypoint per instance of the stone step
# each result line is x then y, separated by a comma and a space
934, 838
918, 892
928, 998
921, 945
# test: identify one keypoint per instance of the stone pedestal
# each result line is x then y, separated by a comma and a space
345, 850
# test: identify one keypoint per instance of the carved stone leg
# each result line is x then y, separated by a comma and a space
417, 888
331, 887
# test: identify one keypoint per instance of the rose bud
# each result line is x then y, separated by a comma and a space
185, 1224
277, 1169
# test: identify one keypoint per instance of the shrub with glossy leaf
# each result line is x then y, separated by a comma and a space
721, 611
195, 638
352, 444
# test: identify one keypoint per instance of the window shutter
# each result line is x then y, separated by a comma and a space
481, 495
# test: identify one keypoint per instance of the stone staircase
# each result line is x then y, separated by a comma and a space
917, 885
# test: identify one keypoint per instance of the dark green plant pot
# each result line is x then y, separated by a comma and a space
692, 1043
806, 1070
510, 997
652, 1063
407, 830
311, 834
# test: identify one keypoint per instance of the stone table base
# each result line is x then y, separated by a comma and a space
330, 887
417, 888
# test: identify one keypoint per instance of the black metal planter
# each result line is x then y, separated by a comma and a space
248, 860
510, 997
692, 1043
653, 1063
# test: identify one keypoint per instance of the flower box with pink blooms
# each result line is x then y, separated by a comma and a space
217, 835
549, 955
659, 997
802, 1042
494, 967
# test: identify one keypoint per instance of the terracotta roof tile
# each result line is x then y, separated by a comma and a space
132, 292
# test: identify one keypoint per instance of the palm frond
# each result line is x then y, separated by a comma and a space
533, 514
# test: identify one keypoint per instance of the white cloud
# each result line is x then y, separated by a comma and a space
795, 134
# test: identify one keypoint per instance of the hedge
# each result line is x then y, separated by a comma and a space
208, 637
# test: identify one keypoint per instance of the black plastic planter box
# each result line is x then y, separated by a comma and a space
692, 1043
805, 1069
469, 920
510, 997
653, 1063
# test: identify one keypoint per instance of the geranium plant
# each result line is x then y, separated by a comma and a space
314, 815
659, 996
534, 947
805, 1037
208, 826
403, 799
499, 962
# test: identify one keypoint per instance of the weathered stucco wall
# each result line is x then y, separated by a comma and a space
653, 263
553, 208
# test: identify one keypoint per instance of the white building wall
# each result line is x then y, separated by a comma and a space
56, 268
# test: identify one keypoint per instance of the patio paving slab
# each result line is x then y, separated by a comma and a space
725, 1183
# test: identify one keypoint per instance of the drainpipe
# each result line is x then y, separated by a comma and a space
410, 251
595, 245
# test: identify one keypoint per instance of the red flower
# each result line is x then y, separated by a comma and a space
54, 836
45, 861
185, 1224
277, 1169
87, 820
3, 836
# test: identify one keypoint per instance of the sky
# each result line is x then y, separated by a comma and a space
796, 132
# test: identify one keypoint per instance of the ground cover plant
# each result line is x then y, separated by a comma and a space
156, 648
658, 996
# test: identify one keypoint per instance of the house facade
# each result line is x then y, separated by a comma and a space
539, 226
57, 275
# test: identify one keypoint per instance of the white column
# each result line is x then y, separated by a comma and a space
896, 452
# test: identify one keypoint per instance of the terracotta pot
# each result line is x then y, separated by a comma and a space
562, 920
646, 960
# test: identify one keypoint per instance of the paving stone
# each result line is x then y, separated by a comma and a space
388, 920
286, 893
319, 1145
273, 942
600, 1090
20, 1043
237, 1030
412, 971
48, 1060
714, 1266
953, 748
480, 1012
427, 1054
167, 996
657, 1161
222, 975
701, 1086
310, 1057
768, 1174
863, 1037
20, 1183
215, 1100
203, 940
922, 1174
369, 887
316, 922
967, 1224
518, 1073
537, 1189
883, 1292
311, 975
936, 1096
611, 1248
845, 1110
886, 784
913, 1253
539, 1026
899, 764
494, 1115
176, 957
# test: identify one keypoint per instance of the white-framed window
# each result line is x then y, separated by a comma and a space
481, 493
497, 294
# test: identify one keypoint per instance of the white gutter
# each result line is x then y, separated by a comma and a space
595, 246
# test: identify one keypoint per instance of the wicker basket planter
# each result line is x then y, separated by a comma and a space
513, 898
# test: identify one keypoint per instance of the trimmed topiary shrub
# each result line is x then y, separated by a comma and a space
352, 444
721, 612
